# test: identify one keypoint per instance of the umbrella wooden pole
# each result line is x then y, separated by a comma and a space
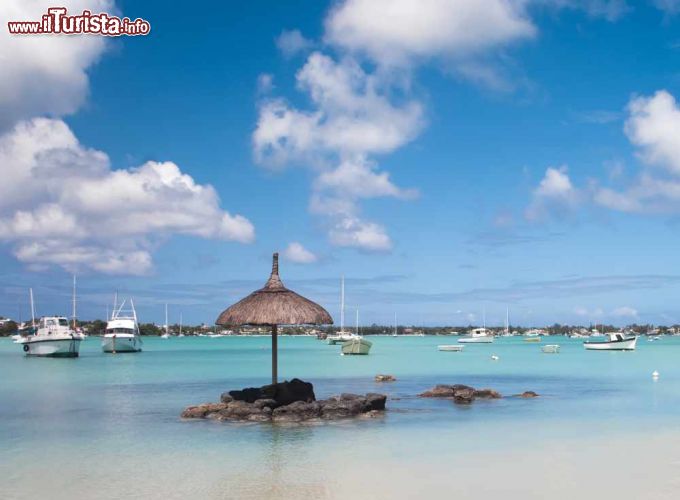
275, 361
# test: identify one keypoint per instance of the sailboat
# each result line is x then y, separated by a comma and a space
53, 337
180, 326
166, 335
394, 334
342, 335
358, 344
506, 332
122, 330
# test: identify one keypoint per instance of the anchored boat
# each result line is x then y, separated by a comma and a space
357, 346
342, 336
616, 341
122, 331
53, 337
450, 347
477, 336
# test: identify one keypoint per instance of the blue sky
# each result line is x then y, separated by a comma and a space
451, 159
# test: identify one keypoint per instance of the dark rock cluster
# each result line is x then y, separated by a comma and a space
527, 395
385, 378
292, 401
459, 393
284, 393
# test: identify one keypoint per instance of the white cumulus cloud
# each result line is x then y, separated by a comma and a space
295, 252
64, 205
351, 117
654, 126
555, 195
45, 74
398, 32
292, 42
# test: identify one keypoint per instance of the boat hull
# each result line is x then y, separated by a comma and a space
614, 345
116, 344
356, 347
450, 348
53, 348
476, 340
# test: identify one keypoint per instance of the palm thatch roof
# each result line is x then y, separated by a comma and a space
274, 304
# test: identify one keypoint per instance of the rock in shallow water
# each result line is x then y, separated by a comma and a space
527, 394
461, 394
283, 393
271, 409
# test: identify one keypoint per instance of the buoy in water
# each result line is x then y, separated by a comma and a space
655, 374
494, 357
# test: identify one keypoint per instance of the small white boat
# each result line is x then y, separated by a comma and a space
122, 331
342, 336
551, 348
53, 338
450, 347
477, 336
617, 341
356, 346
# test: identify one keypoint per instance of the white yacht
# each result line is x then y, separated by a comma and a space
122, 331
53, 337
616, 341
477, 336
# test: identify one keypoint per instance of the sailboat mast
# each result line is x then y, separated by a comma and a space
180, 324
342, 303
74, 301
507, 320
395, 323
166, 318
357, 321
32, 308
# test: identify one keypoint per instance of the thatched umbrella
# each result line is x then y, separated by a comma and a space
274, 305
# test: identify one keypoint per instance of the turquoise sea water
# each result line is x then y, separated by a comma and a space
89, 422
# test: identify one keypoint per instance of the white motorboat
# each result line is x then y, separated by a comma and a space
551, 348
616, 341
53, 337
477, 336
122, 331
450, 347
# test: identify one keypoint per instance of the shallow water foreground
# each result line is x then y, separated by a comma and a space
107, 426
